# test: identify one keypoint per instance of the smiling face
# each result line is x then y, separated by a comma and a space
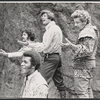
79, 24
45, 19
26, 66
25, 36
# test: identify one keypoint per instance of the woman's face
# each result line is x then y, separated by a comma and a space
79, 24
25, 36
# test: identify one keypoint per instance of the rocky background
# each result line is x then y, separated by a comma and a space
15, 17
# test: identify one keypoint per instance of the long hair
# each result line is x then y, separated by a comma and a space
31, 35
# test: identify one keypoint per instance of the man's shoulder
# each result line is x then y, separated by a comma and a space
39, 78
87, 32
88, 29
55, 28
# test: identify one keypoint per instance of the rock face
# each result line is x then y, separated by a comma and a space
15, 17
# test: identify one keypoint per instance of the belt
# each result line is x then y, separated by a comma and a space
48, 54
82, 59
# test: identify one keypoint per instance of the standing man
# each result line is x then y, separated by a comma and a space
52, 37
85, 51
34, 86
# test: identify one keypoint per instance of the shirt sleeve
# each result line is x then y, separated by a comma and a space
47, 39
41, 92
85, 48
39, 47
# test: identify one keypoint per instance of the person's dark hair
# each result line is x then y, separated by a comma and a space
31, 35
35, 58
49, 13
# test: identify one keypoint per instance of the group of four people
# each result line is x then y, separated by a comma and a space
38, 76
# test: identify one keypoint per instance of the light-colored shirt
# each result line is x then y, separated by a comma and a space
35, 86
51, 39
21, 51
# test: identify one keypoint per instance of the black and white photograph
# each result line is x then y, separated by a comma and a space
49, 49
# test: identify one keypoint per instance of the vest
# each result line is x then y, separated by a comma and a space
88, 31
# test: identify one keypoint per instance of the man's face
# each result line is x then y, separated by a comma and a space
45, 19
24, 36
26, 66
79, 24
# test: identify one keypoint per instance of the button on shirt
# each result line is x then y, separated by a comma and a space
35, 86
51, 39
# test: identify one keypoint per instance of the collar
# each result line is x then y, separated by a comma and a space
83, 34
50, 24
33, 74
90, 26
87, 25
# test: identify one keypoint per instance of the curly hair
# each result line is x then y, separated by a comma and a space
83, 15
35, 58
31, 35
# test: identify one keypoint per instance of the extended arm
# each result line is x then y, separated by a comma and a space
12, 54
84, 48
70, 45
22, 43
47, 39
3, 53
87, 47
15, 54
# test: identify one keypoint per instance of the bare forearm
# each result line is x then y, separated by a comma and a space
23, 43
15, 54
71, 45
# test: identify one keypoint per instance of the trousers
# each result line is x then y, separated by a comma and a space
51, 69
82, 83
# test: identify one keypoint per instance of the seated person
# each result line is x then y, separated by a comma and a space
34, 86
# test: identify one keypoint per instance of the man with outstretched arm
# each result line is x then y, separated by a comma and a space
52, 37
85, 51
